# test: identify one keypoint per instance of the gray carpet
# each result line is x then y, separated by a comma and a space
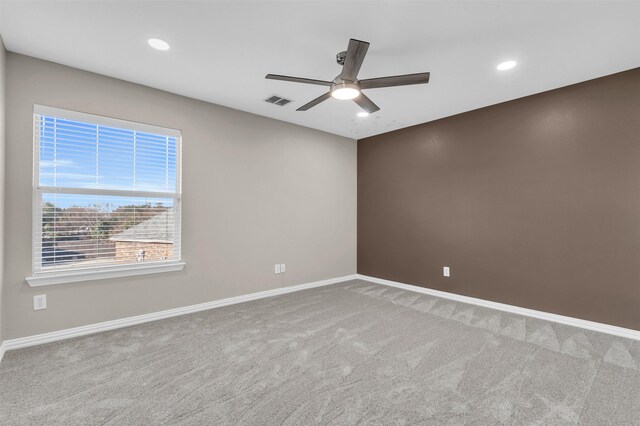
348, 353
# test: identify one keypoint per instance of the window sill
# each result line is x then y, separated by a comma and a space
101, 273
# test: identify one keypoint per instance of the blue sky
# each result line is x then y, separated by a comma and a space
83, 155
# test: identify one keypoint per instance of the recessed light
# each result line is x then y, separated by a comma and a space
506, 65
363, 114
158, 44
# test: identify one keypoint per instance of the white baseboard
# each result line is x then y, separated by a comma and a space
69, 333
140, 319
561, 319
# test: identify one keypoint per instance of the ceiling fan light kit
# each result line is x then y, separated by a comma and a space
345, 91
346, 86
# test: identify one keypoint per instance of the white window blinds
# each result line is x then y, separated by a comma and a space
106, 192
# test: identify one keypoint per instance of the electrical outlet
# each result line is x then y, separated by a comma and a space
39, 302
277, 268
283, 268
445, 271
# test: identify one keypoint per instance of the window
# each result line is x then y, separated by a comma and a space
106, 197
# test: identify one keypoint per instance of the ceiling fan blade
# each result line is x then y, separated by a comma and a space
315, 102
297, 79
396, 80
366, 104
356, 52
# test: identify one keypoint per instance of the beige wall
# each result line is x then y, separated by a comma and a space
256, 192
2, 168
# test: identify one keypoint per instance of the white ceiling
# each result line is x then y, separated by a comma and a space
221, 51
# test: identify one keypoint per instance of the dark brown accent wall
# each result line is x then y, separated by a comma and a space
533, 202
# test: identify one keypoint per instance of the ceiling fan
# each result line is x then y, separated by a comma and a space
346, 86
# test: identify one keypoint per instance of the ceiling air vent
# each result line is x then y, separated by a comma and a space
277, 100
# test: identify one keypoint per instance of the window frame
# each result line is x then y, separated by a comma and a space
41, 277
